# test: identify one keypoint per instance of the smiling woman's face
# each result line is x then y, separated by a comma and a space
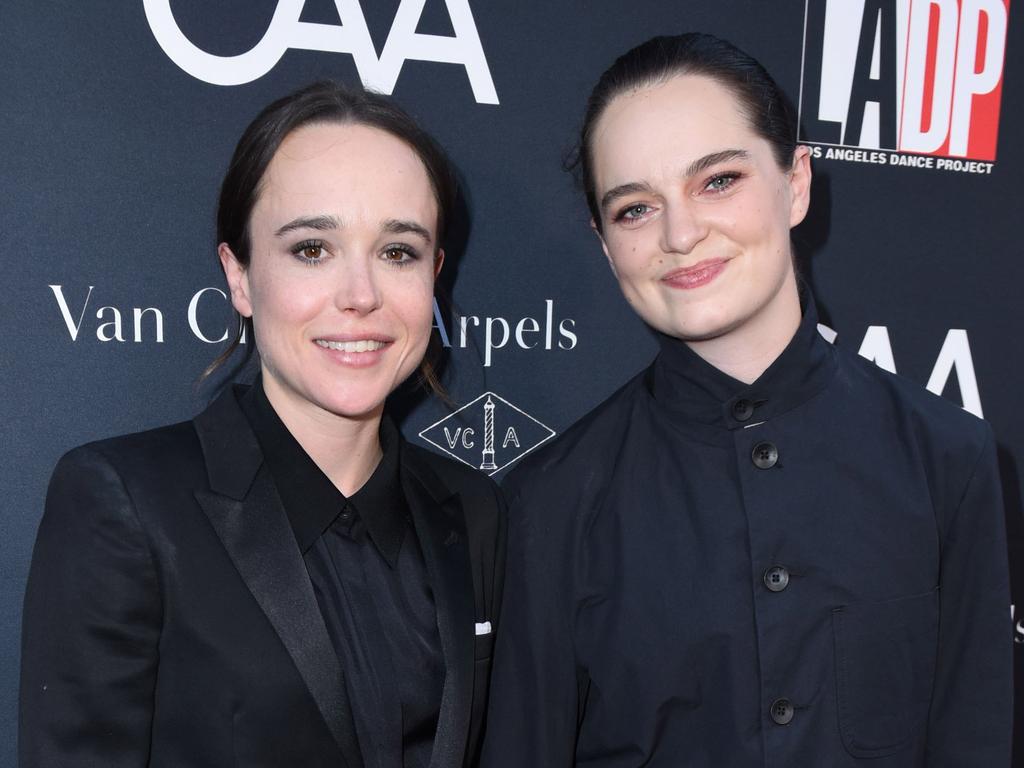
341, 277
696, 213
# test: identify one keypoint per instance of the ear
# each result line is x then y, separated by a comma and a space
799, 185
438, 262
238, 280
604, 247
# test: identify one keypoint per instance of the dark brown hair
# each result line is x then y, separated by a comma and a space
660, 58
321, 102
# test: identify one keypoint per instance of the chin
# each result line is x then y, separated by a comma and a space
349, 401
702, 326
353, 408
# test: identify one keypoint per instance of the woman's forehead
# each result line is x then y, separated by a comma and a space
350, 148
342, 167
674, 121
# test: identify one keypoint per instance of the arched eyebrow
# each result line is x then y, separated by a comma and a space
623, 190
701, 164
325, 222
404, 227
321, 223
698, 166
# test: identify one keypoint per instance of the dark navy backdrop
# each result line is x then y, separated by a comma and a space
112, 153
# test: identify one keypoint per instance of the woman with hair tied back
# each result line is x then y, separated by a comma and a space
763, 550
282, 581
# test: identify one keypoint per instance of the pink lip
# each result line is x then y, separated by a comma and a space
366, 359
701, 273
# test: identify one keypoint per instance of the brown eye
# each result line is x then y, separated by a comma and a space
399, 255
309, 251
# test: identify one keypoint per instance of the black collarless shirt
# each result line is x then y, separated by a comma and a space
806, 571
371, 583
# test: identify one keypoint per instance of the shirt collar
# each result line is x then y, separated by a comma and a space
686, 384
311, 500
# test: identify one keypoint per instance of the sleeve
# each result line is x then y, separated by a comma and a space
971, 716
536, 686
91, 625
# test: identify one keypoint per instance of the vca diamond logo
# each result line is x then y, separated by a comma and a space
488, 434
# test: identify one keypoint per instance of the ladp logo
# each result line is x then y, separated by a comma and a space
921, 76
488, 434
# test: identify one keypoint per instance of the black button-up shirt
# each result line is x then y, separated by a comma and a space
806, 572
370, 581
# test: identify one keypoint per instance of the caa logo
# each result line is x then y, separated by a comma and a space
921, 76
488, 434
351, 37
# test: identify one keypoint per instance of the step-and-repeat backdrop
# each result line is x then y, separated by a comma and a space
117, 121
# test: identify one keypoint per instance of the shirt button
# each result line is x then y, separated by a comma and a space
346, 515
776, 578
765, 455
742, 409
782, 711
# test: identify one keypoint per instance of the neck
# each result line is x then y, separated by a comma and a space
345, 449
745, 352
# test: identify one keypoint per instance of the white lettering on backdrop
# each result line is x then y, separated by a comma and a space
351, 36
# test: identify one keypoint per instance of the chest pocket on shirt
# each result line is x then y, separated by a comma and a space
885, 669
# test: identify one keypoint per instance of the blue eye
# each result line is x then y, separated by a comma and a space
633, 212
721, 182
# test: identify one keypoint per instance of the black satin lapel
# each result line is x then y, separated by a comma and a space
441, 530
257, 536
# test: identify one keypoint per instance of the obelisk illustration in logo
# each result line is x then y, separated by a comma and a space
488, 455
462, 436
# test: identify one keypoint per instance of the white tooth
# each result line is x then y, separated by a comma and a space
363, 345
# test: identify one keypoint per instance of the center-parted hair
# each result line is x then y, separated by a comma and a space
770, 114
321, 102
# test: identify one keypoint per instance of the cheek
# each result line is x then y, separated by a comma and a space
760, 225
631, 257
413, 302
279, 303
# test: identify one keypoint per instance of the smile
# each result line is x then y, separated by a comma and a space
699, 274
362, 345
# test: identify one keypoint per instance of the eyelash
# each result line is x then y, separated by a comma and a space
298, 251
623, 215
412, 254
731, 177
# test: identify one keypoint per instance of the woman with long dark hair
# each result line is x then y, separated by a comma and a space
763, 550
282, 581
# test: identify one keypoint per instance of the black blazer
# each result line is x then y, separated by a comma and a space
169, 619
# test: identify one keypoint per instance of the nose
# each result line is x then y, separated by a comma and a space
682, 227
358, 289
